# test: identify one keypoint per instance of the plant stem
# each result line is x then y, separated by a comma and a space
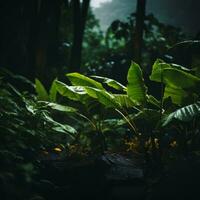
128, 121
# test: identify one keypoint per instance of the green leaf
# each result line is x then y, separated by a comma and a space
53, 91
177, 94
75, 93
63, 128
184, 114
41, 91
157, 70
152, 100
62, 108
178, 78
173, 75
104, 97
181, 67
111, 83
110, 124
81, 80
124, 100
136, 88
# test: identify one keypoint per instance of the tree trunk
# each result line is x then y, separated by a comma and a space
43, 33
79, 20
138, 33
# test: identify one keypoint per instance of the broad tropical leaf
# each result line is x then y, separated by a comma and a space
173, 75
62, 108
178, 78
102, 96
81, 80
157, 70
111, 83
177, 94
75, 93
136, 88
183, 114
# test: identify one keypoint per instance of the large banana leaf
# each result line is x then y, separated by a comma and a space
157, 70
81, 80
104, 97
136, 88
76, 93
179, 84
183, 114
160, 70
177, 94
173, 75
179, 78
59, 107
111, 83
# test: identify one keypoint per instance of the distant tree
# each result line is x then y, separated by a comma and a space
114, 10
43, 34
80, 11
93, 43
29, 29
167, 11
139, 29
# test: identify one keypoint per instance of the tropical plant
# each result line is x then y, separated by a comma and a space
148, 118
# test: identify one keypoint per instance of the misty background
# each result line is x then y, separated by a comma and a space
183, 14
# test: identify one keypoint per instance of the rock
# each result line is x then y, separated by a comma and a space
121, 168
181, 181
37, 197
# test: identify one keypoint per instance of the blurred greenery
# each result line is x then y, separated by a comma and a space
71, 93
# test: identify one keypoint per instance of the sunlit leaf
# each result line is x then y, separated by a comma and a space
173, 75
59, 107
177, 94
178, 78
81, 80
72, 92
157, 70
183, 114
111, 83
104, 97
136, 88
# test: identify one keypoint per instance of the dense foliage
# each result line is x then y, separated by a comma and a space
88, 122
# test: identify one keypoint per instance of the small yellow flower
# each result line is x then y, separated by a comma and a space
57, 149
173, 144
